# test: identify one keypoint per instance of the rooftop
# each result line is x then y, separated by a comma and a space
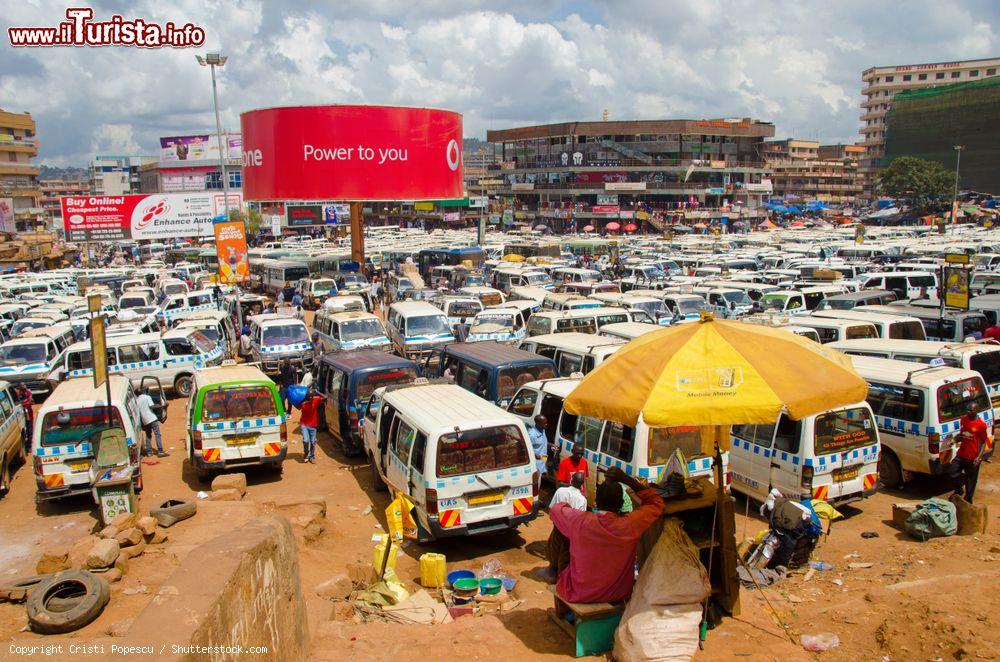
724, 127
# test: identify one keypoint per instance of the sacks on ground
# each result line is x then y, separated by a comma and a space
932, 518
661, 620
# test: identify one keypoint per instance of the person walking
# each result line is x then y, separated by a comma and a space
150, 425
309, 423
974, 442
27, 401
539, 443
246, 346
287, 376
280, 299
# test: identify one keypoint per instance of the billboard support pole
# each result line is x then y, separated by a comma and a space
357, 233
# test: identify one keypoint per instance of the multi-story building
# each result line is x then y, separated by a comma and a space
475, 168
53, 189
645, 171
929, 124
18, 176
116, 175
882, 83
805, 170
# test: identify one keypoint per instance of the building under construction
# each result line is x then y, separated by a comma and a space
929, 123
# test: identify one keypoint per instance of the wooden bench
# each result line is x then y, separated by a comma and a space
594, 623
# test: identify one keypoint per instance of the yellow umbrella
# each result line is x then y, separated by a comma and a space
716, 372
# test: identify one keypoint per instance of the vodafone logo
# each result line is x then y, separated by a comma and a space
453, 154
155, 210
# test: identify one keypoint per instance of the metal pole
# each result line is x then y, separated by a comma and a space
954, 195
223, 154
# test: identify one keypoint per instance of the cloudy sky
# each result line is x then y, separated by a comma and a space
796, 63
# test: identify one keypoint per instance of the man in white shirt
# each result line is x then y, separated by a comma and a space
150, 425
572, 493
246, 348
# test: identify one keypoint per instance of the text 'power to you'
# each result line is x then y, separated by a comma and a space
359, 152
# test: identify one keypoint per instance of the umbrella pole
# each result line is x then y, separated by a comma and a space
719, 487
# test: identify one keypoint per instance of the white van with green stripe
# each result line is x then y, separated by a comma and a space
235, 419
918, 410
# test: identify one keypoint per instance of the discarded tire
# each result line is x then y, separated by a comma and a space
17, 590
173, 511
66, 601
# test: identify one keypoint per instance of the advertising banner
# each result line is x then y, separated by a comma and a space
184, 179
153, 216
601, 177
300, 216
606, 199
7, 215
452, 216
522, 186
351, 153
202, 147
605, 209
231, 248
479, 202
956, 284
625, 186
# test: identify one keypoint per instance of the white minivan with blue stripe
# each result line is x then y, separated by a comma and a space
918, 409
334, 331
29, 358
172, 357
275, 337
417, 328
832, 456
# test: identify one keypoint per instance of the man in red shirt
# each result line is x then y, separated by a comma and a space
602, 544
309, 422
575, 463
974, 442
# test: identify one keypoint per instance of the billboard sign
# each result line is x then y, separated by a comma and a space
300, 216
153, 216
201, 147
625, 186
7, 215
231, 249
351, 153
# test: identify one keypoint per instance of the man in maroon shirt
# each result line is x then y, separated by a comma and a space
309, 422
992, 333
974, 442
602, 544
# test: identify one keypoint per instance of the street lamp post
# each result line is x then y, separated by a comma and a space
213, 60
954, 195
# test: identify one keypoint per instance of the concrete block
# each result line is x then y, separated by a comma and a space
53, 560
225, 494
230, 482
147, 525
103, 554
251, 597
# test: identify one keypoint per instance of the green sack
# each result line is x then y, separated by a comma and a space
933, 518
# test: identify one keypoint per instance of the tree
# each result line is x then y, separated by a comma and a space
251, 220
921, 183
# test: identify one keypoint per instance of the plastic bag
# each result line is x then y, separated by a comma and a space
400, 518
818, 643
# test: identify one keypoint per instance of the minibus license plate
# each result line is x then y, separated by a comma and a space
846, 473
484, 499
80, 466
241, 440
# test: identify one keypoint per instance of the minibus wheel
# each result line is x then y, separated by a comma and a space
890, 472
183, 385
5, 476
377, 483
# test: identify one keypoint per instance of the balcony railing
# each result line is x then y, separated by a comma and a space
650, 186
555, 163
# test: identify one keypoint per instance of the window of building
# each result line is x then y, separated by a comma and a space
922, 77
889, 79
939, 75
907, 77
974, 72
991, 72
956, 74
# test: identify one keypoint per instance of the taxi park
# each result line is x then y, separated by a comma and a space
636, 284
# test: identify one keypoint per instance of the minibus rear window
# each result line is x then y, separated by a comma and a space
377, 378
485, 449
664, 441
987, 365
511, 378
861, 331
584, 325
845, 430
907, 331
954, 399
230, 403
74, 426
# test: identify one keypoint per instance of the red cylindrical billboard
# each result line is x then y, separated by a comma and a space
351, 153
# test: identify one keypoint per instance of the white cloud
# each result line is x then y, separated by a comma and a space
796, 64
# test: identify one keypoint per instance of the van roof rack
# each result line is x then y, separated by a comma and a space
909, 374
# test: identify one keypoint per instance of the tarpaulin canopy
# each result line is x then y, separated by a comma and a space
716, 372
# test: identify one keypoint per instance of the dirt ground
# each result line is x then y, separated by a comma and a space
918, 601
